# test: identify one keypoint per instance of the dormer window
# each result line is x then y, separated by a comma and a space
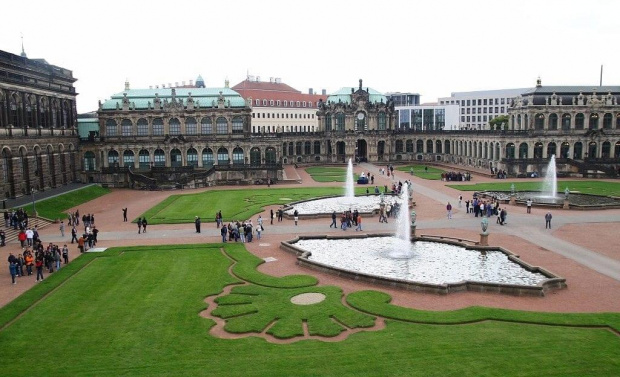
298, 104
271, 103
278, 103
304, 104
264, 102
257, 102
285, 103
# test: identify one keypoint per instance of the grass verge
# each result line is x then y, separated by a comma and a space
585, 187
56, 207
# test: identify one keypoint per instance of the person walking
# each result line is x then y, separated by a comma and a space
125, 214
144, 224
197, 224
74, 234
528, 204
333, 220
548, 218
359, 223
139, 225
62, 229
223, 233
449, 209
296, 216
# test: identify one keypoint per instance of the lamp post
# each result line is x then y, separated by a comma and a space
34, 208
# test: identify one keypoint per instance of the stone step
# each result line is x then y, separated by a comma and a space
11, 234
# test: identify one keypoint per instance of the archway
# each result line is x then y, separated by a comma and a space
341, 151
362, 150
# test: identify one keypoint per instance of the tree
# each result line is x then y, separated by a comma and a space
497, 122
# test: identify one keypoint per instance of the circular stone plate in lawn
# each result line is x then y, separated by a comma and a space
286, 199
308, 298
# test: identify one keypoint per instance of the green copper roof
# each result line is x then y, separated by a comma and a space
344, 95
203, 97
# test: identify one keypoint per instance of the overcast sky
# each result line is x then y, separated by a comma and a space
429, 47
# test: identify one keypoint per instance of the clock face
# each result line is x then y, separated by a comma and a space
360, 116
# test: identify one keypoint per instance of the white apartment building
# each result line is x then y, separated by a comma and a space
428, 117
479, 107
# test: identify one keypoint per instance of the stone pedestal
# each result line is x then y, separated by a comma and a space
413, 231
513, 200
566, 204
484, 239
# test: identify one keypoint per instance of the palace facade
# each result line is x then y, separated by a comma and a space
38, 119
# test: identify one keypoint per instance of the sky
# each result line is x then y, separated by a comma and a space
432, 47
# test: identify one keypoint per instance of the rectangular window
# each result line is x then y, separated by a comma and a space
468, 118
467, 102
485, 102
479, 118
502, 109
502, 101
462, 119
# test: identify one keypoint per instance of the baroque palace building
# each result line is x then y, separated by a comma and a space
38, 133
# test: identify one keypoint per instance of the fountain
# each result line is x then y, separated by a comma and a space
550, 184
402, 249
349, 192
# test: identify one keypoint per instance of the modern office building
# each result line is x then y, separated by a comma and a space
479, 107
38, 134
404, 99
423, 118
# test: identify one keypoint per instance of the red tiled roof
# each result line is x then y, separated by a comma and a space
274, 91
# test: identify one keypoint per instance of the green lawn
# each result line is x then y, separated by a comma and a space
54, 208
420, 171
234, 204
134, 311
584, 187
329, 174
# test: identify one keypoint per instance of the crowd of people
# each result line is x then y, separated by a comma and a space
488, 208
38, 257
455, 176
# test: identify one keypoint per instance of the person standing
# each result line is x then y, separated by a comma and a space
62, 229
2, 238
197, 224
39, 265
139, 225
74, 234
65, 254
460, 200
528, 204
22, 238
359, 223
548, 218
271, 216
125, 214
296, 216
29, 262
13, 271
449, 209
259, 230
223, 233
280, 214
144, 224
333, 220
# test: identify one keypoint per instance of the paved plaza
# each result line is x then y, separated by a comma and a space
580, 247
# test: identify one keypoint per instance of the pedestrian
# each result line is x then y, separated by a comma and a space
65, 254
528, 204
197, 224
13, 271
22, 238
139, 225
62, 229
460, 200
259, 230
125, 214
73, 234
333, 220
296, 216
29, 262
449, 209
2, 238
271, 216
81, 244
359, 223
280, 214
223, 233
548, 218
39, 265
144, 224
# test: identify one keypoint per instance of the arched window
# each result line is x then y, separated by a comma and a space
446, 148
618, 121
438, 146
207, 158
607, 121
112, 157
284, 145
381, 121
143, 127
176, 159
206, 127
89, 161
144, 159
158, 127
159, 158
578, 151
191, 128
238, 156
606, 150
592, 150
175, 127
429, 146
539, 122
564, 149
317, 147
340, 120
307, 148
128, 158
399, 146
593, 123
617, 150
237, 125
221, 126
126, 127
111, 129
551, 149
192, 157
409, 146
523, 149
518, 121
298, 148
222, 156
538, 150
419, 146
255, 156
579, 121
270, 156
328, 122
290, 148
566, 118
553, 121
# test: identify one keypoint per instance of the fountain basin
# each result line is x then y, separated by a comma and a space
576, 200
323, 207
437, 266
